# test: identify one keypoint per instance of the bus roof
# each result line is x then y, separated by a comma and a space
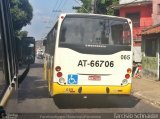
91, 14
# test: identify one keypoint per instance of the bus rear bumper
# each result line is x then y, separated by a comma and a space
76, 89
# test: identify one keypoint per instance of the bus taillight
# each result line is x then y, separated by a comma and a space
129, 70
59, 74
58, 68
127, 76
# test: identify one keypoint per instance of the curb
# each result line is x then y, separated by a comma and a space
147, 99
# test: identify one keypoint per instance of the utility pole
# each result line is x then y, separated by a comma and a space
93, 6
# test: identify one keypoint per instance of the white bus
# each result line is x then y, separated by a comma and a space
89, 54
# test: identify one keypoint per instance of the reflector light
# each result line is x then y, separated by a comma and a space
62, 17
59, 74
125, 81
127, 76
129, 70
61, 80
58, 68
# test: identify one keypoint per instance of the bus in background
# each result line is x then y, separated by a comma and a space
8, 60
26, 50
9, 79
89, 54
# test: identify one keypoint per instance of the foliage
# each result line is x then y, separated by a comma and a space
86, 7
102, 6
150, 63
110, 10
22, 13
150, 66
22, 34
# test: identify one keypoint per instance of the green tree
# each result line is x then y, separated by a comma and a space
22, 34
110, 10
102, 6
85, 8
22, 13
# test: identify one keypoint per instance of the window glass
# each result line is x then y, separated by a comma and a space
95, 31
150, 47
135, 17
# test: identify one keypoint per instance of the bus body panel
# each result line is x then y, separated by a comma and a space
90, 89
84, 65
110, 77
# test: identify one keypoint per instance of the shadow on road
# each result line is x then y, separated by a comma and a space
95, 101
34, 86
37, 65
21, 67
35, 90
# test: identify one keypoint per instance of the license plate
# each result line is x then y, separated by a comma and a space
94, 78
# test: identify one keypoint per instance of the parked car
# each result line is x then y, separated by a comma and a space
40, 54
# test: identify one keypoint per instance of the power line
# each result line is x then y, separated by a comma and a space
81, 5
60, 4
49, 21
57, 9
64, 3
60, 7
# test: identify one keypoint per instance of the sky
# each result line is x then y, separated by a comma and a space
44, 15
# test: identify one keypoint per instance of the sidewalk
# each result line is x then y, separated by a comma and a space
147, 89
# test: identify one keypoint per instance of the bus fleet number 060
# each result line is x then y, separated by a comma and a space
97, 63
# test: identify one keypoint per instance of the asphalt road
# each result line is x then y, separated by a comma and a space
33, 97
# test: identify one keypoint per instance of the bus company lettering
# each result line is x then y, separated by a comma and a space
97, 63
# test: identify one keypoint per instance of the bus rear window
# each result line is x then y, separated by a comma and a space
95, 31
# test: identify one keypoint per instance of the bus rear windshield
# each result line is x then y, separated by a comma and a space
95, 30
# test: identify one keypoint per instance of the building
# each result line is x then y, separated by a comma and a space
156, 12
39, 44
151, 44
145, 15
140, 12
151, 50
